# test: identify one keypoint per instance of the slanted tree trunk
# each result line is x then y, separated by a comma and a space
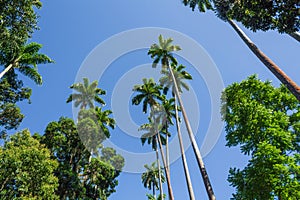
183, 158
283, 78
295, 35
197, 153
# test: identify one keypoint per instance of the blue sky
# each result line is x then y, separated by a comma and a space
70, 30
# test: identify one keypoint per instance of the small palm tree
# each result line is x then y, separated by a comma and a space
27, 60
105, 121
87, 94
150, 178
166, 81
163, 52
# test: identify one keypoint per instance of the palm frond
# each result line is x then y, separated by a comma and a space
32, 73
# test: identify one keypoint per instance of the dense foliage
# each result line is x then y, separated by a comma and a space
265, 123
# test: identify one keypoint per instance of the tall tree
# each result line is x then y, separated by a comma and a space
222, 10
166, 81
79, 178
149, 93
86, 94
26, 169
162, 52
264, 122
150, 178
282, 15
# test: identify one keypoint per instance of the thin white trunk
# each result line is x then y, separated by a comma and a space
198, 156
9, 67
295, 35
183, 158
159, 172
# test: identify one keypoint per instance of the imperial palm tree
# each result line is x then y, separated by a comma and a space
150, 178
275, 69
26, 61
162, 52
180, 75
148, 94
86, 94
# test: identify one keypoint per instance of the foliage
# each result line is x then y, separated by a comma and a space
87, 94
79, 178
282, 15
12, 91
26, 169
150, 177
18, 20
265, 122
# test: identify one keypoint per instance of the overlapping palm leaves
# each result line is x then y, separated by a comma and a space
180, 75
162, 52
26, 61
148, 94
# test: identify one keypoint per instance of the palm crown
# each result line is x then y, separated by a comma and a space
163, 51
87, 94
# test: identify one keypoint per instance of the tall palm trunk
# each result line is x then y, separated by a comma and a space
295, 35
153, 189
170, 190
283, 78
200, 162
183, 158
159, 172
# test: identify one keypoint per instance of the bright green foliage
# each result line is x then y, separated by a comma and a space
12, 91
202, 5
26, 169
110, 156
151, 197
79, 178
282, 15
87, 94
26, 61
265, 122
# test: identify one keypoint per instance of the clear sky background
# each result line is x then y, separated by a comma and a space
70, 30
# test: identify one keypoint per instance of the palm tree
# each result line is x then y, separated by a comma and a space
163, 52
26, 62
105, 121
151, 138
275, 69
166, 81
149, 93
150, 178
87, 94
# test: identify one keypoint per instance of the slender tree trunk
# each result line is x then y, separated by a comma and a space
159, 172
198, 156
9, 67
183, 158
170, 190
283, 78
295, 35
153, 190
167, 151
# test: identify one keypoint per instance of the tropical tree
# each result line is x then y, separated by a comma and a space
222, 10
264, 122
86, 94
26, 169
166, 81
149, 93
78, 177
151, 136
163, 52
150, 178
26, 61
264, 15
